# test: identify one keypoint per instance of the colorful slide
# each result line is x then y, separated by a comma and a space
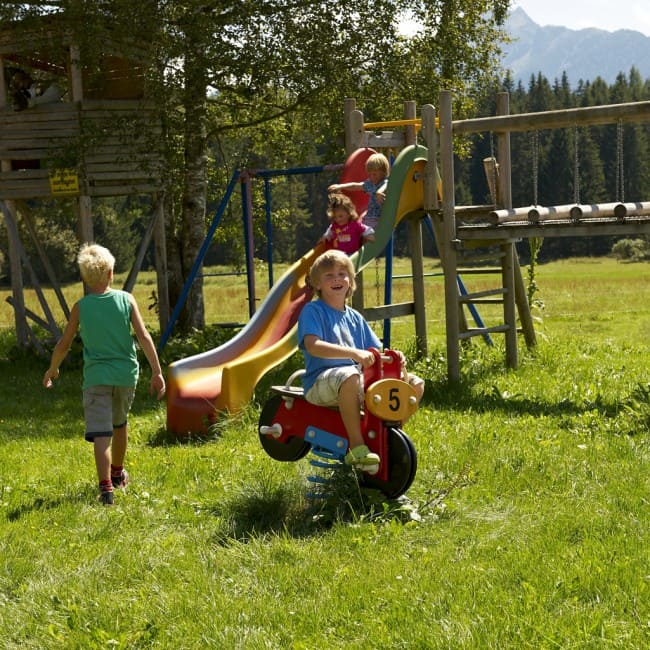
201, 386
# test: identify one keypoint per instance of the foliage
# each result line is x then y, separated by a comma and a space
535, 244
259, 86
632, 250
118, 222
262, 84
183, 346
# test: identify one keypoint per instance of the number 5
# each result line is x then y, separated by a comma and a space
393, 399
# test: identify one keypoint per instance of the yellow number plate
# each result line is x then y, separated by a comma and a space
391, 399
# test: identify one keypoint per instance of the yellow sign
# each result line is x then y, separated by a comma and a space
64, 182
392, 400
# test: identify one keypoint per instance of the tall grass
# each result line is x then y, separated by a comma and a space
526, 527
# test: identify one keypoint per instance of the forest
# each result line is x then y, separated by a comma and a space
599, 164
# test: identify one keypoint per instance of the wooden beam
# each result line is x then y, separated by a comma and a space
450, 261
35, 317
382, 312
129, 283
16, 271
29, 222
569, 117
552, 228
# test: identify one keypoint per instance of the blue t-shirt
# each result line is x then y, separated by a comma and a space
110, 357
374, 207
347, 327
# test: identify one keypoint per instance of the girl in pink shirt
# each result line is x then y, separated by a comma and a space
346, 231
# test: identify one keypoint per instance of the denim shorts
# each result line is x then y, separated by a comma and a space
106, 408
325, 391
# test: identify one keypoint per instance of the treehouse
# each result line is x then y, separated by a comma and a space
75, 124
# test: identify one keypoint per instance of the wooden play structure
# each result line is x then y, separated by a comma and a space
205, 385
91, 133
495, 226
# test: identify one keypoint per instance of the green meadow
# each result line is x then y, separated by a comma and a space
527, 525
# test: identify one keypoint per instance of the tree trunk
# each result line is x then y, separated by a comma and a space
193, 228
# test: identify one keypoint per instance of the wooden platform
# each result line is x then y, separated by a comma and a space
113, 147
635, 226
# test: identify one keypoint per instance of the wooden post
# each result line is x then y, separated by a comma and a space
505, 192
504, 178
9, 212
45, 260
431, 170
3, 84
414, 231
83, 207
450, 257
491, 168
74, 74
83, 204
15, 268
509, 311
136, 267
417, 270
432, 180
353, 121
353, 141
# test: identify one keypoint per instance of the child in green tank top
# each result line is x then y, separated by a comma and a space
104, 317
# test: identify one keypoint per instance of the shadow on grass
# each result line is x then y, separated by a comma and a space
464, 397
165, 438
299, 510
52, 501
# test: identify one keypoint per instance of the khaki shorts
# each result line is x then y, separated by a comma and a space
106, 408
415, 381
325, 391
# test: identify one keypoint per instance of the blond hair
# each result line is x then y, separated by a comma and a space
345, 203
378, 162
95, 264
329, 260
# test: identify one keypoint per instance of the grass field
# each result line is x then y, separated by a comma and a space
527, 525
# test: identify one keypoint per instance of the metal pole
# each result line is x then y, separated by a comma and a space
269, 229
247, 218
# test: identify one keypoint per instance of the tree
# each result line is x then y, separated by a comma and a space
259, 62
222, 67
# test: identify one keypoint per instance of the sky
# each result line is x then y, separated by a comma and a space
609, 15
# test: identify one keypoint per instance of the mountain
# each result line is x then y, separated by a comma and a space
583, 54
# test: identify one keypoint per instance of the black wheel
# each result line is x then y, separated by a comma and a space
403, 465
291, 450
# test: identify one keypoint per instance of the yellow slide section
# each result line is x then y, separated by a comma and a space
223, 379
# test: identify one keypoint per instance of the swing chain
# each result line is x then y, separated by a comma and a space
620, 169
576, 165
493, 171
534, 145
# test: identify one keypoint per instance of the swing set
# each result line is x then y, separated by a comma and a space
461, 231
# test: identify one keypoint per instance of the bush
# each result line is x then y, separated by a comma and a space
632, 250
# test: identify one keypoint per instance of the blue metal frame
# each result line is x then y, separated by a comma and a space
199, 259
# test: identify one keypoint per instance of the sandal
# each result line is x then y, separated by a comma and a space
361, 455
